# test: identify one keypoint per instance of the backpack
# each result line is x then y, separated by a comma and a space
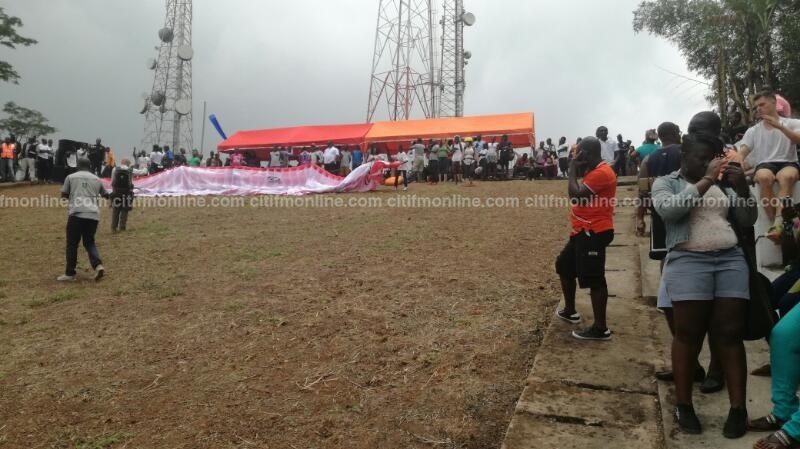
122, 181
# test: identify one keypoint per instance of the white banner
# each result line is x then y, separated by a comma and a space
237, 181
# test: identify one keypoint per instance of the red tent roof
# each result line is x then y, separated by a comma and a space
296, 136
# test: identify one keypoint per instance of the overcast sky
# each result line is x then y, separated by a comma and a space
268, 63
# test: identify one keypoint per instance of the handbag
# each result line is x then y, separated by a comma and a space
761, 318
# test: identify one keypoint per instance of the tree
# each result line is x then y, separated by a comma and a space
9, 38
743, 45
24, 122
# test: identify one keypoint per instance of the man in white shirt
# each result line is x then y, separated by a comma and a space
275, 158
344, 164
329, 157
607, 147
773, 143
156, 159
44, 161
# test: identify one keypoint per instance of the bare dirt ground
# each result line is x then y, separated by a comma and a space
278, 327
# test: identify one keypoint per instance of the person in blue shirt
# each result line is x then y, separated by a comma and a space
358, 157
649, 145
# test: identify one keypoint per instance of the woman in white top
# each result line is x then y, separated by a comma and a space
469, 162
705, 280
458, 157
403, 169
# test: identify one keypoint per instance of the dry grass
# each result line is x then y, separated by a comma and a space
283, 328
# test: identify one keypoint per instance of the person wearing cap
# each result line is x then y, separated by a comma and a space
772, 146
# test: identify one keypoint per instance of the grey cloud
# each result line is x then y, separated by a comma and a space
575, 63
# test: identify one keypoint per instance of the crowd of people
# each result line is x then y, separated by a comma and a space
698, 190
32, 160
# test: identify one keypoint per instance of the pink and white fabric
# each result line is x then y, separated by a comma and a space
239, 181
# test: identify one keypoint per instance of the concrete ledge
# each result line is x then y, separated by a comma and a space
597, 394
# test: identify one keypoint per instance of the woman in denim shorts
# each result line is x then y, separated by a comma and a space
705, 275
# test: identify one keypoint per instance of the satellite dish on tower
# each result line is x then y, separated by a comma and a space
158, 98
468, 18
467, 54
151, 64
166, 35
145, 107
185, 53
183, 106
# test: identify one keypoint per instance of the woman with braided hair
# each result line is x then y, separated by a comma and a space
705, 275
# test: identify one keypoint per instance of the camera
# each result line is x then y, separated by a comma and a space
622, 145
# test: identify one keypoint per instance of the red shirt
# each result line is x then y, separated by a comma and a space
598, 215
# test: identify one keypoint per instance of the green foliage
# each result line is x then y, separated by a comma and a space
743, 45
24, 122
9, 38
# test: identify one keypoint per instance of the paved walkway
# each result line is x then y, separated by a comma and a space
588, 395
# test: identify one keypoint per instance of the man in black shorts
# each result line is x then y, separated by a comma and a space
584, 256
773, 143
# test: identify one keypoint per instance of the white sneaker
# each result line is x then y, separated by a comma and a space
99, 272
405, 189
65, 278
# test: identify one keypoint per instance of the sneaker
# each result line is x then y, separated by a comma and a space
687, 420
405, 189
574, 318
736, 425
65, 278
99, 271
592, 333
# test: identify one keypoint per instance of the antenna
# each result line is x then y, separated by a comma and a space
169, 120
402, 81
453, 58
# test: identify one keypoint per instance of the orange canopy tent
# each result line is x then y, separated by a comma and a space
518, 127
297, 136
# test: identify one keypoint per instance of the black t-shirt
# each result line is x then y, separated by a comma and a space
97, 152
664, 161
30, 150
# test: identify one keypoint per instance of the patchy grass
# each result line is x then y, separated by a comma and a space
104, 441
54, 298
333, 328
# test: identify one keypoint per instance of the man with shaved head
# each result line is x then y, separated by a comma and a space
584, 256
82, 189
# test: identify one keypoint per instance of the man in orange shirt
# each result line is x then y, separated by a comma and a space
7, 160
584, 256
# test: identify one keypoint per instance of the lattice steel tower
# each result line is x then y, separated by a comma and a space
453, 58
403, 69
168, 106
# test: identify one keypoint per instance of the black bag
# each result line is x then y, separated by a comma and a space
122, 181
658, 237
761, 317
